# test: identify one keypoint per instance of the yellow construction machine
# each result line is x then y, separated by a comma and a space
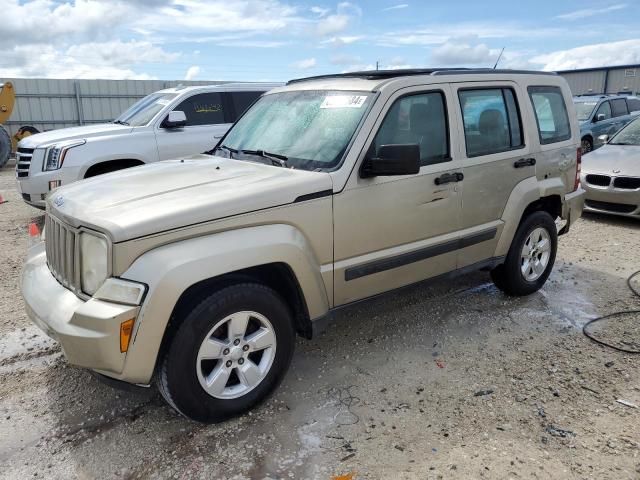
7, 143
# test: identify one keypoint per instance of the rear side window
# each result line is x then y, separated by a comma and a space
417, 119
619, 107
241, 101
203, 109
551, 114
491, 121
633, 104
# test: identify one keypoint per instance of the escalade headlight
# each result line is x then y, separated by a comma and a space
54, 155
94, 262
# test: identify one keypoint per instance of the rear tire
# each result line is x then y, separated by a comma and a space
219, 365
530, 258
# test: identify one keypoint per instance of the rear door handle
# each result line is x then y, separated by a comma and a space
449, 178
524, 162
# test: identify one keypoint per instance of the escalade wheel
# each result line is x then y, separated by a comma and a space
530, 258
228, 354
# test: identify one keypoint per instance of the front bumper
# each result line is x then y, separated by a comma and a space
35, 187
611, 200
88, 331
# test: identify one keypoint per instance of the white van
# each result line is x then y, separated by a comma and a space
166, 124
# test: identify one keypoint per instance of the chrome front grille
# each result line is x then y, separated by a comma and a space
23, 161
63, 252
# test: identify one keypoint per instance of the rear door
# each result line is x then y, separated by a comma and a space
620, 113
496, 156
207, 118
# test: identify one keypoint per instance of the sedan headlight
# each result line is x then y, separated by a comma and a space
94, 262
54, 155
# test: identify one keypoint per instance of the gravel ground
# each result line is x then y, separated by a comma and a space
449, 380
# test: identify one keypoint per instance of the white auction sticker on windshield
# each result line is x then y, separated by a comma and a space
344, 101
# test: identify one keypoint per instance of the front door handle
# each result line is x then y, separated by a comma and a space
524, 162
449, 178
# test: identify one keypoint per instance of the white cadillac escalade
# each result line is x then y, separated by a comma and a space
166, 124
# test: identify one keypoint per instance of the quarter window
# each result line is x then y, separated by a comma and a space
634, 104
417, 119
619, 107
241, 101
603, 109
203, 109
551, 114
491, 121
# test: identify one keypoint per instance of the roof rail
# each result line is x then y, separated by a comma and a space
404, 72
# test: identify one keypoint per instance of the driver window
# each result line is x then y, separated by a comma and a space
417, 119
604, 109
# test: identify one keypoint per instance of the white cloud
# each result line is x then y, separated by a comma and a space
346, 12
613, 53
344, 59
192, 72
396, 7
342, 40
321, 12
306, 63
590, 12
455, 53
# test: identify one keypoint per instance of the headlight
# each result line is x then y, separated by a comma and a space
94, 258
54, 155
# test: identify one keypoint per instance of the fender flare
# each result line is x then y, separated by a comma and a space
524, 194
170, 270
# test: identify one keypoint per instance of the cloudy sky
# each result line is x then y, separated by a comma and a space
277, 40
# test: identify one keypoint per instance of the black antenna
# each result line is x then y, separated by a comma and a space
499, 57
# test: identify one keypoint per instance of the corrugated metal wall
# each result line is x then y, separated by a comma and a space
619, 80
585, 82
48, 104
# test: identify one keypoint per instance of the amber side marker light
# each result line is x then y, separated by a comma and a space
125, 335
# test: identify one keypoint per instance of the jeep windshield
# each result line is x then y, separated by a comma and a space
584, 109
143, 111
309, 129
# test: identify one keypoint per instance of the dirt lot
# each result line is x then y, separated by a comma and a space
452, 380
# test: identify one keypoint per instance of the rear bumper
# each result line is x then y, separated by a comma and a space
89, 332
572, 208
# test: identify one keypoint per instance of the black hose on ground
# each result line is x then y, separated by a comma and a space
612, 315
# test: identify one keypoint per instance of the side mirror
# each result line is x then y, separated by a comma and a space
603, 139
392, 160
600, 117
175, 119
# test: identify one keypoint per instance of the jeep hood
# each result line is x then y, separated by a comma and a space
88, 131
162, 196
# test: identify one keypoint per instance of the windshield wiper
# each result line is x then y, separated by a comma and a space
276, 159
120, 122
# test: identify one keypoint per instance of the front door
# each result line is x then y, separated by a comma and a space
207, 122
391, 231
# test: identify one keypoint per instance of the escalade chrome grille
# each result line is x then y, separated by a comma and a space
23, 161
63, 257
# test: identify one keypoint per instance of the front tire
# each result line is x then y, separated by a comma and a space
530, 258
228, 354
586, 145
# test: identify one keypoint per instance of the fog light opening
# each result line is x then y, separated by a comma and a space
125, 334
53, 184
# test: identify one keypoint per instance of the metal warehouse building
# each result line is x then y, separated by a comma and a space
48, 104
623, 79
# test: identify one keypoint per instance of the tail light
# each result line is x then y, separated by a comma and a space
576, 184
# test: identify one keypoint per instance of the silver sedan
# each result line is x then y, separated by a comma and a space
611, 174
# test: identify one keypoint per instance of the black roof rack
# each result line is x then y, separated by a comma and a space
405, 72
